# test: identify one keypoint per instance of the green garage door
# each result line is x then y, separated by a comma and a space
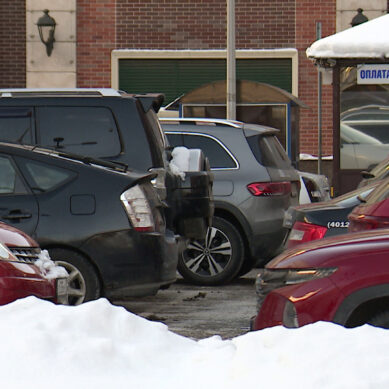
175, 77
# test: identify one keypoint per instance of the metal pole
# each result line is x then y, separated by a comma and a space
231, 72
319, 107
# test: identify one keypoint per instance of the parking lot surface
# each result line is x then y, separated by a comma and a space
198, 311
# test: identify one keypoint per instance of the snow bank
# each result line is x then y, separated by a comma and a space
98, 345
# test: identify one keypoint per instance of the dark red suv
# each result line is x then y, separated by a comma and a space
19, 275
373, 212
342, 279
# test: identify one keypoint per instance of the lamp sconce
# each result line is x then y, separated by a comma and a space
46, 26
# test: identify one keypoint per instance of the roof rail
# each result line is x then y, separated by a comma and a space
34, 92
204, 121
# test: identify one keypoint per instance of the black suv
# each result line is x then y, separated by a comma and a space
103, 224
114, 126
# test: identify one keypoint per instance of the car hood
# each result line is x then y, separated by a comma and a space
327, 252
12, 237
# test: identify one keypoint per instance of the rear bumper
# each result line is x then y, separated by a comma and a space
133, 264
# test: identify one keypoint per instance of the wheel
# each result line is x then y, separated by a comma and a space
380, 320
83, 282
216, 259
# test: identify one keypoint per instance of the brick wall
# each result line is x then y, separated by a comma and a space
95, 41
309, 12
201, 24
13, 44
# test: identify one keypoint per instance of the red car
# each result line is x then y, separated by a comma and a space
19, 276
342, 279
373, 212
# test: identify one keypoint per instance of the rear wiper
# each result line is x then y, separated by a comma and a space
119, 166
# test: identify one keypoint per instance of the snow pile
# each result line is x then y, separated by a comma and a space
97, 345
367, 40
180, 161
48, 268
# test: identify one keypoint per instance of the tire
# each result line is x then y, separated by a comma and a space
204, 263
380, 320
83, 281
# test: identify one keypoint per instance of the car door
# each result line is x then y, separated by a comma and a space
18, 206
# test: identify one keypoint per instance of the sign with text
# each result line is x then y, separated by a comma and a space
373, 74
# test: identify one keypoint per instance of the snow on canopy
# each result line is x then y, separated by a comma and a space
367, 40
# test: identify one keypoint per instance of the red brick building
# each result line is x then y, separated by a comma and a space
188, 26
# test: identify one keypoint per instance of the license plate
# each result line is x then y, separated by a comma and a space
62, 286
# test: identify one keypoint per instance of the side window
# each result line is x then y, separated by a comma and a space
10, 181
16, 125
218, 156
175, 140
44, 177
80, 130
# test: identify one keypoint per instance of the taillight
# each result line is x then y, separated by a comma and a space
363, 222
305, 232
138, 209
270, 188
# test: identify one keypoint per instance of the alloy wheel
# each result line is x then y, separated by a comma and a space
210, 256
76, 284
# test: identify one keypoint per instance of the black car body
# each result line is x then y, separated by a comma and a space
104, 224
114, 126
319, 220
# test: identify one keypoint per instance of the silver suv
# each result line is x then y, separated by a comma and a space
254, 183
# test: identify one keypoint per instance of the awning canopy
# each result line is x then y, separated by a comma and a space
368, 41
246, 92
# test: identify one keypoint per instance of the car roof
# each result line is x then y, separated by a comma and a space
208, 124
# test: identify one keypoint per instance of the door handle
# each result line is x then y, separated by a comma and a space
15, 215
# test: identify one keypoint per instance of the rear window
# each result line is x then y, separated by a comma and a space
268, 151
16, 125
81, 130
379, 194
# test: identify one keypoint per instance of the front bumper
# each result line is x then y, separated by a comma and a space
13, 288
132, 263
311, 301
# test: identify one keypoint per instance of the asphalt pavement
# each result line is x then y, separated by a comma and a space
198, 311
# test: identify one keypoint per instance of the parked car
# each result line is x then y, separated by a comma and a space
319, 220
379, 172
314, 188
20, 276
254, 183
364, 137
342, 279
101, 222
114, 126
373, 212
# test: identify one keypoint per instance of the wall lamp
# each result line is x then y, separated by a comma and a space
46, 26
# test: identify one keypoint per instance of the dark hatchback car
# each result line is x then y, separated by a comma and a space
342, 279
320, 220
114, 126
104, 224
254, 184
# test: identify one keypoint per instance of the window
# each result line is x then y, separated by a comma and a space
10, 182
268, 151
15, 125
219, 157
46, 177
81, 130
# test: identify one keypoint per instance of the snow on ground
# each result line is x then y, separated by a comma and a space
98, 345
